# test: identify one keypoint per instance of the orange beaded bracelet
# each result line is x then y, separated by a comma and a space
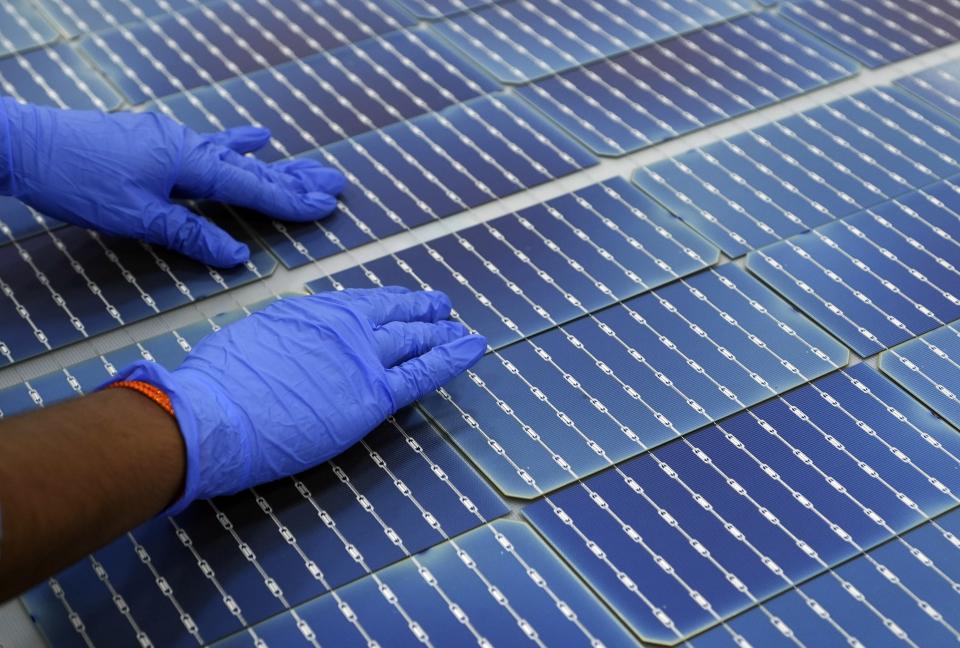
148, 390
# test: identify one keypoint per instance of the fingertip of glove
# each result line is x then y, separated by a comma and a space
336, 181
470, 349
231, 255
322, 204
240, 253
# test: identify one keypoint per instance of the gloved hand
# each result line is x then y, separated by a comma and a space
118, 172
304, 379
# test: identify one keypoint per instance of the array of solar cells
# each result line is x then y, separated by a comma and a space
893, 579
654, 93
23, 27
224, 565
696, 449
927, 367
879, 32
939, 85
702, 528
522, 40
529, 271
563, 404
427, 168
498, 585
172, 53
808, 169
878, 277
67, 284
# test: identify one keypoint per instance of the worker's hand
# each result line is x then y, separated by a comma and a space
118, 172
304, 379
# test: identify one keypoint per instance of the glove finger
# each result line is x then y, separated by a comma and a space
382, 306
415, 378
176, 227
242, 139
237, 186
314, 175
302, 176
400, 341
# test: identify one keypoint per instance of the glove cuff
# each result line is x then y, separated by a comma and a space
161, 378
215, 433
7, 108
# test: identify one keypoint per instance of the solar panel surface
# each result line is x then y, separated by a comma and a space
653, 93
878, 277
794, 174
689, 457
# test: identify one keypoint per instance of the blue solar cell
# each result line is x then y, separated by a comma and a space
326, 98
58, 77
528, 271
704, 528
521, 40
568, 402
22, 27
878, 277
76, 17
939, 85
436, 9
654, 93
800, 172
176, 52
878, 32
55, 296
495, 586
927, 367
475, 152
899, 615
402, 490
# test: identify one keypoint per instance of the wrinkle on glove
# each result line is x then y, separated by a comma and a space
303, 380
120, 172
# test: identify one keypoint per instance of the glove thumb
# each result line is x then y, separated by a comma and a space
177, 228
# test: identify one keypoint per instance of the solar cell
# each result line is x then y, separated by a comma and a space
65, 285
22, 27
521, 40
938, 85
331, 96
222, 565
56, 76
206, 44
527, 271
805, 170
878, 277
571, 401
427, 168
701, 529
497, 585
661, 91
879, 32
901, 617
927, 367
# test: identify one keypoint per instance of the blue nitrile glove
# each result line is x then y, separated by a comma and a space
118, 172
304, 379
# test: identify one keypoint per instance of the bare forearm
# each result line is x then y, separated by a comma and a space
75, 476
